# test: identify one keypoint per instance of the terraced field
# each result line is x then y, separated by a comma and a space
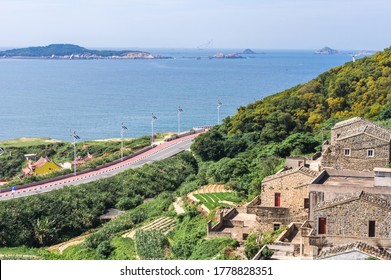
163, 224
213, 200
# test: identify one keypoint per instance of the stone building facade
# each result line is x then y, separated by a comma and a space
357, 144
284, 198
362, 216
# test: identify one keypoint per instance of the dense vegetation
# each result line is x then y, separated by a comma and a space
150, 244
52, 217
60, 50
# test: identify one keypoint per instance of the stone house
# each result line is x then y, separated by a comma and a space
362, 216
333, 184
284, 198
348, 206
357, 144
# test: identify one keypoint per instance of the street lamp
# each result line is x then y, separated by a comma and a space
123, 128
74, 138
154, 118
180, 110
219, 104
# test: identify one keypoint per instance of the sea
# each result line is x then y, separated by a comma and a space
50, 98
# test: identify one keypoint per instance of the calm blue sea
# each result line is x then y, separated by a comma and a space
48, 97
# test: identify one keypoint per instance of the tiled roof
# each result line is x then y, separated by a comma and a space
372, 198
356, 246
348, 122
41, 162
300, 169
369, 128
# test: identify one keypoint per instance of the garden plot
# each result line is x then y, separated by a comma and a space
162, 224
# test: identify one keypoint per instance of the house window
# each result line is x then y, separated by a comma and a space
371, 229
277, 199
276, 227
322, 226
306, 203
346, 152
370, 153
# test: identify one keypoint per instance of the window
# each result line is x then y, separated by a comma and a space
306, 203
371, 229
346, 152
276, 227
338, 135
370, 153
322, 226
277, 199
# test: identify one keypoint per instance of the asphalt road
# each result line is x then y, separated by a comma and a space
162, 151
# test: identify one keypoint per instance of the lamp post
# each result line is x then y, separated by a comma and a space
2, 151
123, 128
219, 104
74, 138
154, 118
180, 110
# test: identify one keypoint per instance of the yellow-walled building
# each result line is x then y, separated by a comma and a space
43, 166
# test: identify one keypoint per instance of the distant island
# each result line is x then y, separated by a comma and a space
248, 51
221, 55
326, 50
69, 51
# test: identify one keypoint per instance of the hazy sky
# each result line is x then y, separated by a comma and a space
258, 24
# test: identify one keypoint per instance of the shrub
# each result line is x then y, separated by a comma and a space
104, 249
150, 244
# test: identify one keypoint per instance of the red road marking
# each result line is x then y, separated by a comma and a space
130, 161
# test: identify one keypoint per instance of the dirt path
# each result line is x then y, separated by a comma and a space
62, 246
178, 206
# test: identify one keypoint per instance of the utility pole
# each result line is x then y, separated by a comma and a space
74, 138
180, 110
219, 104
123, 128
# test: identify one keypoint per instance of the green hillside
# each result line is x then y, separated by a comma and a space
253, 143
362, 88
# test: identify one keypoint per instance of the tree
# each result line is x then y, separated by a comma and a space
209, 146
43, 230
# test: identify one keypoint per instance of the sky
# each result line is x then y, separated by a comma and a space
255, 24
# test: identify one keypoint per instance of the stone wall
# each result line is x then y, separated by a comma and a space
338, 130
351, 219
293, 189
358, 159
268, 216
233, 223
359, 135
321, 193
223, 216
294, 162
219, 234
253, 205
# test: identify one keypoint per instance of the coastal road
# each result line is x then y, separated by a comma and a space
160, 152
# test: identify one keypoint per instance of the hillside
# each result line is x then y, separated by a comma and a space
74, 51
252, 143
362, 88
